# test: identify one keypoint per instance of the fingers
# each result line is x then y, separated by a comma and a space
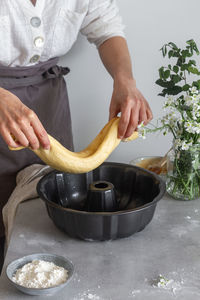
19, 125
124, 122
149, 115
8, 138
24, 136
129, 101
142, 114
132, 115
27, 131
30, 132
133, 123
31, 137
13, 131
19, 137
40, 133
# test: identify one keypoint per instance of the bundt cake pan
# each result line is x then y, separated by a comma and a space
66, 196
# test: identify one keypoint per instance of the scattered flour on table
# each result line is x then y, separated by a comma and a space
135, 292
87, 295
181, 230
168, 284
93, 296
40, 274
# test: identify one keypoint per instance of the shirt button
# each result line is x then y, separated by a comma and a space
39, 41
35, 22
34, 58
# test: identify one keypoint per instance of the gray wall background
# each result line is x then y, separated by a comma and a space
149, 24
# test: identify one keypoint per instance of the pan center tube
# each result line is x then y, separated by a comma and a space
101, 197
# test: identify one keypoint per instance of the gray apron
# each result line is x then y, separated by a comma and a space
43, 89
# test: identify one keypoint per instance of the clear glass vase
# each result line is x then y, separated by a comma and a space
183, 173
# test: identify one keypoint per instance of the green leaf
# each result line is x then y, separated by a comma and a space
190, 42
184, 67
173, 45
185, 53
173, 74
170, 53
197, 51
176, 78
180, 61
166, 74
186, 87
175, 90
175, 69
197, 84
192, 62
162, 83
191, 50
164, 50
161, 72
162, 94
171, 91
176, 54
193, 70
193, 46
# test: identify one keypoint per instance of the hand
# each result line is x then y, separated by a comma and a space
134, 108
17, 120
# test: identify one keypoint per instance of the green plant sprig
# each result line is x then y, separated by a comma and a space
173, 78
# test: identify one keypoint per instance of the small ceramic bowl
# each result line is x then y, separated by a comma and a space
57, 260
146, 161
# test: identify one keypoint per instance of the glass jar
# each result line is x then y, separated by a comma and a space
183, 173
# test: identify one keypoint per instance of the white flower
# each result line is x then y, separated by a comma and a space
197, 129
182, 144
192, 100
170, 119
192, 127
170, 98
188, 100
185, 145
177, 143
169, 102
182, 118
189, 126
141, 130
141, 125
194, 90
142, 134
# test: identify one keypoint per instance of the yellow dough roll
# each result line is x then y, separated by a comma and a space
60, 158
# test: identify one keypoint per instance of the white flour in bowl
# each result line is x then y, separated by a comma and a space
40, 274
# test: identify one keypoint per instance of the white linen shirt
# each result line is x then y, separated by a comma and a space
30, 34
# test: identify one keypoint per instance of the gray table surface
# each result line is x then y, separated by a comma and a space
121, 269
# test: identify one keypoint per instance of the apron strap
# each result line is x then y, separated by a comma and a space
13, 82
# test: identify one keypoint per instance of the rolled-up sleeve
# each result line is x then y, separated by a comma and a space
102, 21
